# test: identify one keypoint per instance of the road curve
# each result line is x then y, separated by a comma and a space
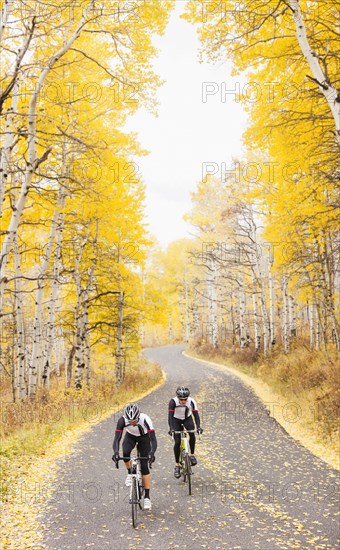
254, 487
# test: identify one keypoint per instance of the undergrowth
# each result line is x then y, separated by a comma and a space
309, 378
29, 428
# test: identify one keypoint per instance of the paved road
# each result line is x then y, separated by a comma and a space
254, 487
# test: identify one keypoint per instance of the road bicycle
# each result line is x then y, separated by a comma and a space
137, 486
184, 457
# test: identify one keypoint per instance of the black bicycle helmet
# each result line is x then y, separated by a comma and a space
182, 392
132, 412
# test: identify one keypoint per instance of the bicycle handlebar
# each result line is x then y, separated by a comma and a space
133, 458
184, 431
199, 435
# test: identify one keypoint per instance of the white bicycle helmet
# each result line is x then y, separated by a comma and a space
182, 392
132, 412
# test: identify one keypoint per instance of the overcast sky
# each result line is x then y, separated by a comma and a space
188, 131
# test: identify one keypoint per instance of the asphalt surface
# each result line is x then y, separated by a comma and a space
254, 487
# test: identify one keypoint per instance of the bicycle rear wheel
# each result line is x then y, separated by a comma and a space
134, 501
188, 471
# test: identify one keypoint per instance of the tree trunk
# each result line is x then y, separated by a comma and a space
51, 333
5, 13
68, 366
32, 161
242, 310
20, 327
311, 325
257, 337
181, 317
187, 312
87, 347
285, 329
212, 302
8, 145
119, 337
79, 318
35, 366
320, 77
271, 300
292, 317
171, 335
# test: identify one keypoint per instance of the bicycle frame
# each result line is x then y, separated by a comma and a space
136, 473
137, 486
184, 457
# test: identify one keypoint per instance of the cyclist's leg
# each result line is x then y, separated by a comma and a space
144, 448
178, 426
129, 443
189, 425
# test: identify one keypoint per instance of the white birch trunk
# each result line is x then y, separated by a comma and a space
142, 327
233, 328
5, 13
35, 367
257, 337
311, 325
271, 300
259, 276
242, 310
187, 312
20, 327
86, 337
325, 87
80, 328
292, 317
329, 281
69, 365
9, 136
59, 351
317, 327
212, 302
181, 316
52, 305
119, 356
79, 319
171, 334
87, 351
285, 329
195, 315
33, 161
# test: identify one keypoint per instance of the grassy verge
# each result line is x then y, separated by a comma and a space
301, 391
34, 437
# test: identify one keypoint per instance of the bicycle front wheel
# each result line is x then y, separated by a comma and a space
134, 502
188, 471
141, 496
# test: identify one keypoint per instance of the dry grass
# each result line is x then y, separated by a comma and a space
28, 429
312, 379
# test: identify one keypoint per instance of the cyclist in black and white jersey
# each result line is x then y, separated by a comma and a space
182, 409
140, 432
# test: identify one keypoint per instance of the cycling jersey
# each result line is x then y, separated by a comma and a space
181, 411
144, 425
138, 432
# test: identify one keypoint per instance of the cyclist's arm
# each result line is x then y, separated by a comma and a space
197, 419
196, 414
172, 407
153, 441
151, 432
118, 434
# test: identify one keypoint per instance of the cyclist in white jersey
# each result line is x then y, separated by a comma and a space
182, 408
140, 432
